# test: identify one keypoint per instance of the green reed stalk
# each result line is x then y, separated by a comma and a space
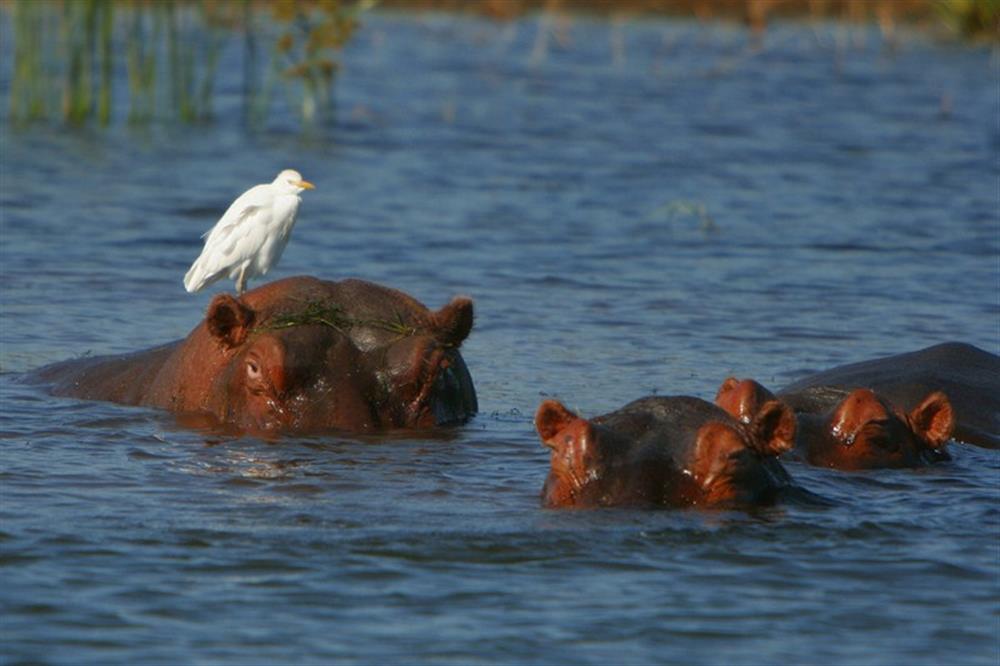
107, 24
977, 20
77, 100
65, 51
175, 69
140, 51
28, 100
213, 41
249, 64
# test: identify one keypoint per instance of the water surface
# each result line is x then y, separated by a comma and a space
645, 208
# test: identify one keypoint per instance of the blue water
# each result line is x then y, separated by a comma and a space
636, 207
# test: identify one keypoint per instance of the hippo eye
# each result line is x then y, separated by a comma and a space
253, 369
876, 433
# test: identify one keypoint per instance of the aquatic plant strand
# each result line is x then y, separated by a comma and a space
327, 313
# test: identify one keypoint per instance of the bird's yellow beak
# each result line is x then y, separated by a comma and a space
306, 185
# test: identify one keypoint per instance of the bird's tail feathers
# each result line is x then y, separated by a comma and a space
197, 279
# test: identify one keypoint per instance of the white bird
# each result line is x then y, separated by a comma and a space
251, 236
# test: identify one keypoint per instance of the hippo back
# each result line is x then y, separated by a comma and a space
124, 379
969, 376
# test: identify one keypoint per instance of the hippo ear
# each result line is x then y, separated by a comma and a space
736, 398
551, 418
452, 323
727, 386
934, 419
772, 430
228, 320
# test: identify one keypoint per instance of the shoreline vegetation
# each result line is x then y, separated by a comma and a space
965, 19
66, 53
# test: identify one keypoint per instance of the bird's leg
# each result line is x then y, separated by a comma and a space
241, 282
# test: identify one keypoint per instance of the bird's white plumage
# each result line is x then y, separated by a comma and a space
250, 237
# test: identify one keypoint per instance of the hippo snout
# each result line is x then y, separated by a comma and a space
453, 396
450, 404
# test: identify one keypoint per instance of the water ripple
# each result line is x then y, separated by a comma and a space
695, 210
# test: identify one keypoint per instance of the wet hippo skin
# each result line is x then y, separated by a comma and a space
298, 355
856, 429
664, 451
897, 411
968, 375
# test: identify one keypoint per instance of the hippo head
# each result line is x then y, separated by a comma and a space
312, 363
861, 430
866, 431
676, 451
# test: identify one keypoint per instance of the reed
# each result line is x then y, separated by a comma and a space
67, 52
977, 20
105, 38
30, 84
195, 36
306, 51
78, 45
140, 54
966, 19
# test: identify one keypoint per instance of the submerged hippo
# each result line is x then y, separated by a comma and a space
665, 451
852, 430
969, 376
298, 355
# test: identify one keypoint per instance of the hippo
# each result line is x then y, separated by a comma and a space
674, 451
298, 355
851, 429
969, 376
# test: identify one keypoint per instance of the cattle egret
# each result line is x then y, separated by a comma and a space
251, 236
